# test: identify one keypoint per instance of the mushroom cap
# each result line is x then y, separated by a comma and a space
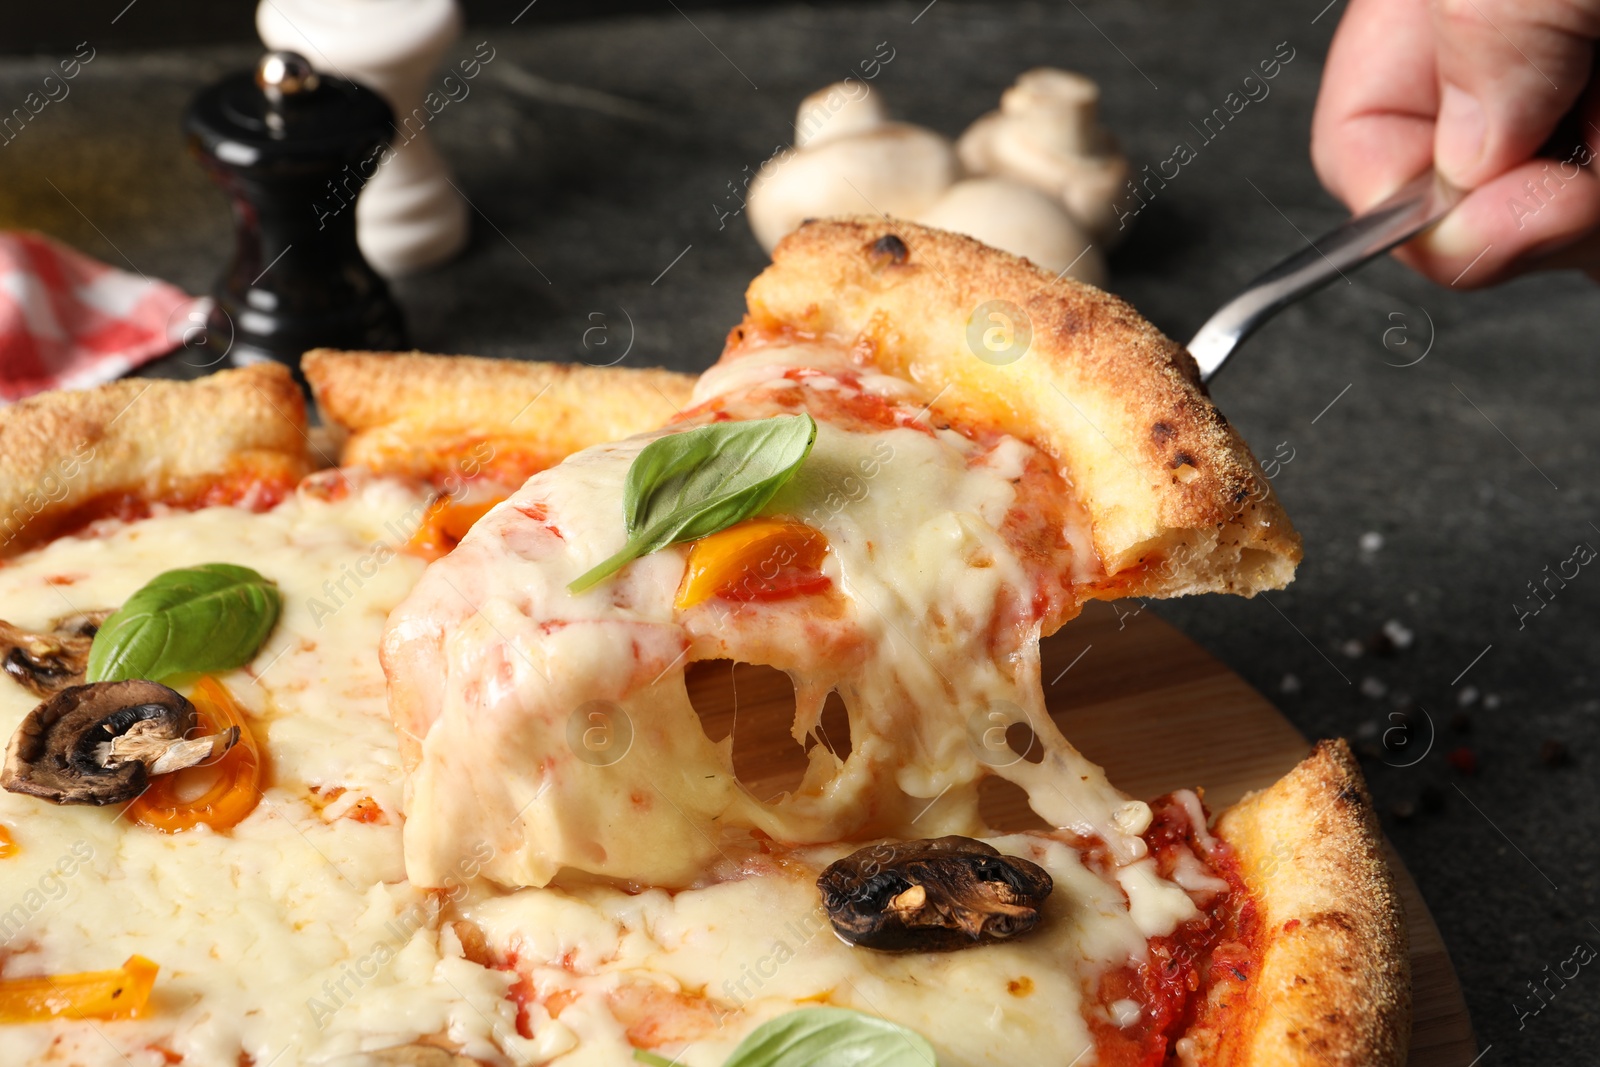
1062, 108
1047, 134
54, 753
1019, 219
889, 169
842, 109
932, 895
49, 662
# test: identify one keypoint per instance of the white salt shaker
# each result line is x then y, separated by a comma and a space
409, 216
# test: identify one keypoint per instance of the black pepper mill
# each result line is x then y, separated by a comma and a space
292, 148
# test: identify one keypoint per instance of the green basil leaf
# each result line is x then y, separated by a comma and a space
207, 618
831, 1037
688, 485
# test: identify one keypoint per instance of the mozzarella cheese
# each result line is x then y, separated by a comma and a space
512, 677
551, 743
553, 735
692, 972
294, 938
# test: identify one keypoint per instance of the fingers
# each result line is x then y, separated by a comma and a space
1543, 214
1373, 127
1508, 70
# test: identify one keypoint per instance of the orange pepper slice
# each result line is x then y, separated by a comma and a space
445, 524
761, 559
237, 788
118, 994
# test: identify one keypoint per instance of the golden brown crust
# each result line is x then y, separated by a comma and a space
421, 415
1178, 503
1334, 981
66, 457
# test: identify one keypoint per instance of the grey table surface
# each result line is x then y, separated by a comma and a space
1441, 445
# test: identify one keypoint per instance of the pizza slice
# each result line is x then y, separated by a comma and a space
915, 457
254, 911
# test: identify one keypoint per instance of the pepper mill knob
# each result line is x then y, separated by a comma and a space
282, 73
274, 139
412, 216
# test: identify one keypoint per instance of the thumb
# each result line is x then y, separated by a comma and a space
1508, 71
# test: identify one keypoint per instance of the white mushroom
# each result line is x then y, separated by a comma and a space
1047, 134
850, 160
841, 110
1021, 220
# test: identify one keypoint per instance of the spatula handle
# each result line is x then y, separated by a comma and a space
1413, 208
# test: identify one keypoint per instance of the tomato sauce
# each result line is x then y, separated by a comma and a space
1183, 969
256, 492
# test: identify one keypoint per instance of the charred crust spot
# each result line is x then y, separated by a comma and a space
891, 248
1350, 795
1162, 432
1179, 459
1337, 919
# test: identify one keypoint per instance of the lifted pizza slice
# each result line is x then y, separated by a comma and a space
915, 457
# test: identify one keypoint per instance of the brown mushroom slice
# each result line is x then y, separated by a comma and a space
932, 895
45, 664
100, 743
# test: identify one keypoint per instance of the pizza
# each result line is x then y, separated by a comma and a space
371, 743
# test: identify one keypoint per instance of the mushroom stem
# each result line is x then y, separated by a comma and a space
910, 900
162, 754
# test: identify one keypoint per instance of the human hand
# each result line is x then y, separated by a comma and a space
1474, 88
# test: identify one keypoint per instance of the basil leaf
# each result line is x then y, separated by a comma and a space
688, 485
207, 618
831, 1037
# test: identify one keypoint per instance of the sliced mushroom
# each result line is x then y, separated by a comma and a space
933, 895
45, 664
100, 743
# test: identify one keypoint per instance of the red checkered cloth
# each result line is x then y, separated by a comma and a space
68, 321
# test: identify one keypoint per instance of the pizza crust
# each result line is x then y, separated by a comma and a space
1178, 504
420, 415
235, 436
1334, 981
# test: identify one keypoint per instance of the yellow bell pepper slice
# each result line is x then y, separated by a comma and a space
760, 559
445, 524
237, 788
118, 994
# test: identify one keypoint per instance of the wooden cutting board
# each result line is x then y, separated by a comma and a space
1158, 713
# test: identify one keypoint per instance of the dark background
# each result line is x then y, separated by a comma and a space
597, 152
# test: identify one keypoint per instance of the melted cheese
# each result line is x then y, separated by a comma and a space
922, 642
550, 738
553, 734
693, 972
294, 938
